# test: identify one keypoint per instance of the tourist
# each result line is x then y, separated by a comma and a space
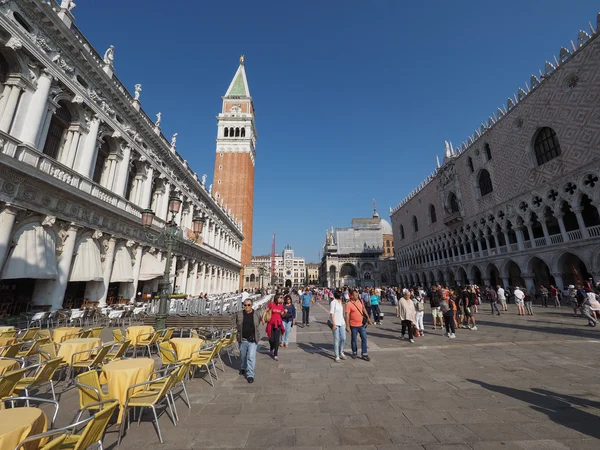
247, 322
420, 312
306, 300
470, 308
289, 319
501, 297
338, 328
356, 321
434, 302
586, 311
374, 299
529, 302
519, 300
365, 297
492, 297
580, 296
273, 317
554, 295
407, 314
544, 293
448, 307
594, 304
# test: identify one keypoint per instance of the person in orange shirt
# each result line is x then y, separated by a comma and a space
356, 320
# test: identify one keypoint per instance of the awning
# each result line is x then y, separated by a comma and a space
33, 256
122, 272
87, 264
150, 268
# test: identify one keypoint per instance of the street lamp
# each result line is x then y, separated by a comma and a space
171, 234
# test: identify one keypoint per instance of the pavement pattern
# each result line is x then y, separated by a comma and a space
516, 383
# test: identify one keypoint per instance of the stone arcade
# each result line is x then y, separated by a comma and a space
79, 161
517, 203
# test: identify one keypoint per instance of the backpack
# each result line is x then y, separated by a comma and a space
420, 306
452, 304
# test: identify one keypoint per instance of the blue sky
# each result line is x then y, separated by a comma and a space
354, 98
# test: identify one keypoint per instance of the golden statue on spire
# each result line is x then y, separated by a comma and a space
242, 60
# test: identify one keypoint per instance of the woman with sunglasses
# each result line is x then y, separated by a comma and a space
275, 324
289, 318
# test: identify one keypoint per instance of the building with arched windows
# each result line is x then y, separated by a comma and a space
517, 203
359, 255
290, 271
80, 161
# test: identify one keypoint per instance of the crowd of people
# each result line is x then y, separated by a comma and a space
351, 310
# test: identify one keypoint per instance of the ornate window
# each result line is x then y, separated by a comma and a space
485, 183
453, 202
401, 231
432, 215
61, 120
488, 151
470, 164
546, 145
103, 153
252, 277
415, 224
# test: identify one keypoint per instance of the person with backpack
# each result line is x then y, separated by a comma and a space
492, 297
448, 307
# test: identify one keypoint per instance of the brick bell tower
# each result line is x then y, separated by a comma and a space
234, 164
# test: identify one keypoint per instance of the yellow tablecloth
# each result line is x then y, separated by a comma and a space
68, 348
60, 333
121, 374
134, 331
6, 365
184, 347
7, 328
16, 424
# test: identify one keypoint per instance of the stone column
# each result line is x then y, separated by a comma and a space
545, 230
193, 278
497, 242
12, 100
164, 201
561, 225
4, 98
183, 278
71, 149
471, 247
123, 171
506, 239
136, 271
202, 276
7, 221
584, 231
89, 149
109, 259
531, 238
36, 109
53, 291
529, 283
506, 283
519, 233
560, 284
147, 194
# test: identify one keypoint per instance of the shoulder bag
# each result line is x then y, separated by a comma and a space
268, 314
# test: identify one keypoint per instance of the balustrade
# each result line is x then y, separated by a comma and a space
574, 235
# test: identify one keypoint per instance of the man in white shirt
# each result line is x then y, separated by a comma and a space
502, 297
520, 300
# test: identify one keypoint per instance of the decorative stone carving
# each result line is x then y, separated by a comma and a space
14, 43
138, 91
48, 221
97, 234
203, 179
174, 141
42, 43
109, 56
158, 119
69, 5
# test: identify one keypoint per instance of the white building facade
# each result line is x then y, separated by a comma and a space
79, 162
517, 203
290, 270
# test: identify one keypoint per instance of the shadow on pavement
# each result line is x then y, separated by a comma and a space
567, 331
558, 407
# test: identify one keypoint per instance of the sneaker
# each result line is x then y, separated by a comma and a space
474, 328
342, 356
354, 356
452, 336
337, 359
412, 341
433, 328
422, 333
446, 334
250, 380
276, 358
366, 358
271, 353
242, 371
403, 337
308, 324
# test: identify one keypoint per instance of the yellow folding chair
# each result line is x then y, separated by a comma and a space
95, 360
118, 350
205, 357
11, 350
43, 375
29, 334
118, 335
9, 380
146, 340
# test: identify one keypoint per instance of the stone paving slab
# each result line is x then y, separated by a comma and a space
515, 383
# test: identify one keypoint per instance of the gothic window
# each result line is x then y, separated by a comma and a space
488, 151
237, 132
103, 153
130, 181
401, 231
453, 203
252, 277
415, 224
485, 183
432, 215
226, 132
61, 120
470, 164
546, 145
4, 70
243, 132
231, 132
21, 21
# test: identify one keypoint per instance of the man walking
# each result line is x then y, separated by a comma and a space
493, 299
544, 294
355, 313
247, 323
306, 300
434, 302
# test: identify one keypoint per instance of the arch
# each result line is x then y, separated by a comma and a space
440, 277
545, 145
512, 272
59, 124
243, 132
493, 275
475, 275
348, 270
431, 277
415, 224
573, 268
541, 271
252, 277
551, 221
33, 253
461, 276
23, 22
101, 158
226, 132
401, 231
488, 151
453, 203
569, 217
288, 283
432, 214
237, 132
484, 182
589, 212
470, 164
87, 262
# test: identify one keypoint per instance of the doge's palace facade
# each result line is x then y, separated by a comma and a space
517, 203
79, 162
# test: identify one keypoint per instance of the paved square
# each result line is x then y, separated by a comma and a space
516, 383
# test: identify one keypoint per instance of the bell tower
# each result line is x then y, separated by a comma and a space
235, 158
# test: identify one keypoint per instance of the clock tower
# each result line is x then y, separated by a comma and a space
235, 157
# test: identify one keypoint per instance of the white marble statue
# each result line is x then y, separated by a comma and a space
203, 179
210, 189
138, 91
174, 140
69, 5
158, 119
109, 55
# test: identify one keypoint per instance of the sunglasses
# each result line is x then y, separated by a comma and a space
247, 304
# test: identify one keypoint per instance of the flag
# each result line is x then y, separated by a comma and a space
577, 276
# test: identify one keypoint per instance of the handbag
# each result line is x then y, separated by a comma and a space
330, 324
268, 314
365, 320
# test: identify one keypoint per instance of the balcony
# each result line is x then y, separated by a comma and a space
452, 218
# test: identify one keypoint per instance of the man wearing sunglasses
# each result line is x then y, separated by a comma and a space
247, 322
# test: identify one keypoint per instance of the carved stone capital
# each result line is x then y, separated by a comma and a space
49, 221
97, 234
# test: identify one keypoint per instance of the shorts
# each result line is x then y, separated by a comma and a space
519, 302
467, 312
436, 312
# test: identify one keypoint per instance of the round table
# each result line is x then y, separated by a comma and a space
71, 346
123, 373
185, 347
136, 330
16, 424
6, 365
60, 333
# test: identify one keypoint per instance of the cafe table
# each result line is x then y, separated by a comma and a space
121, 374
69, 347
186, 347
136, 330
59, 333
17, 424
